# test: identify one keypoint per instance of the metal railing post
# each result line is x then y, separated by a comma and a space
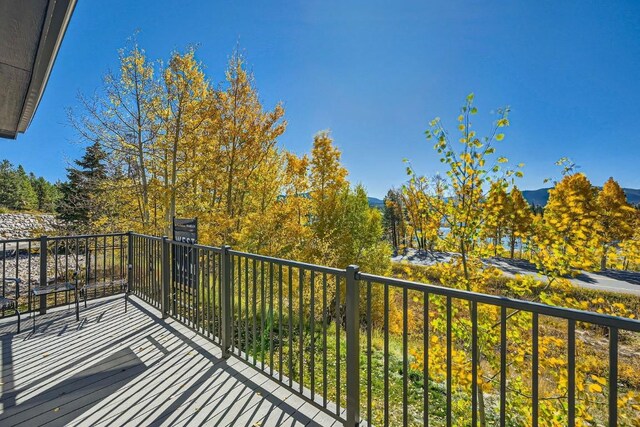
166, 277
353, 346
129, 265
43, 272
225, 300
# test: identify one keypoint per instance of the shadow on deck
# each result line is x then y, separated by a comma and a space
117, 368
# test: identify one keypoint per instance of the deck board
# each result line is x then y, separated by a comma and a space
114, 368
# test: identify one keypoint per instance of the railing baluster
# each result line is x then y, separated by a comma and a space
474, 364
534, 369
369, 338
386, 354
312, 330
246, 309
338, 355
226, 295
4, 273
28, 276
166, 277
503, 366
301, 327
353, 345
571, 372
425, 359
43, 272
405, 357
271, 319
280, 321
238, 319
104, 264
255, 309
449, 355
55, 273
290, 303
325, 323
613, 377
262, 316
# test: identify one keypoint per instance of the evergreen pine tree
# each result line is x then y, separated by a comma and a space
8, 188
80, 193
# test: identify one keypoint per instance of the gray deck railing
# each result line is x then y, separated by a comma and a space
96, 260
322, 331
380, 350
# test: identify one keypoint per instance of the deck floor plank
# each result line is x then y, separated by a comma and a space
115, 368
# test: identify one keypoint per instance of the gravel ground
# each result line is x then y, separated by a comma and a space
627, 282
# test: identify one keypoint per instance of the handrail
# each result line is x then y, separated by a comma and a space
86, 236
516, 304
5, 241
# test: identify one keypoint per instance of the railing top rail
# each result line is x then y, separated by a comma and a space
528, 306
177, 243
146, 236
196, 246
319, 268
7, 241
85, 236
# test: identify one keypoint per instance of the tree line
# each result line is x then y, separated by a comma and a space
165, 140
478, 210
22, 191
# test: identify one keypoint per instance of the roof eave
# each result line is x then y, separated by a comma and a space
58, 15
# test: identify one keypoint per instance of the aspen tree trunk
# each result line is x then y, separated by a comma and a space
513, 246
481, 405
603, 259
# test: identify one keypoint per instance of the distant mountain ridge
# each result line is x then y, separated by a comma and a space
540, 196
537, 197
374, 202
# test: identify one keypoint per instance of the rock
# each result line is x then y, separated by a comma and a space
23, 225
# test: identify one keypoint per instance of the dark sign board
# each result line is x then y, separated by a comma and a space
185, 230
185, 258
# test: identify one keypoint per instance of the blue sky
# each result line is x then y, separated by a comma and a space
376, 72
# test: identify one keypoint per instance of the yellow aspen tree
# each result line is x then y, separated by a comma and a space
394, 219
297, 187
566, 237
262, 220
470, 171
630, 248
182, 114
328, 180
246, 134
615, 217
122, 119
471, 168
295, 207
423, 219
413, 198
519, 221
359, 238
497, 210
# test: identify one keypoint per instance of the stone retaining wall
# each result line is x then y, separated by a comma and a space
19, 225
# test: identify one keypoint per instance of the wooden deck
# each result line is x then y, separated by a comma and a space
119, 369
